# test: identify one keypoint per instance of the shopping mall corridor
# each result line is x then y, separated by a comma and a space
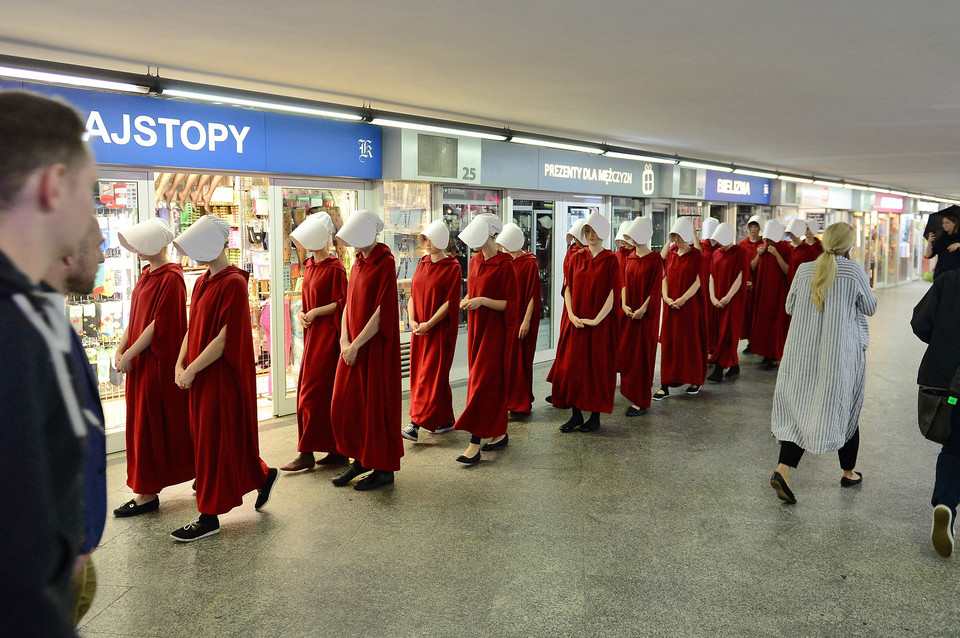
659, 525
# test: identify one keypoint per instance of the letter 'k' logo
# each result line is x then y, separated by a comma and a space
366, 149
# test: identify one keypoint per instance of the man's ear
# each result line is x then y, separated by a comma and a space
51, 185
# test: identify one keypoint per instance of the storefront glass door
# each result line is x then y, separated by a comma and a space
536, 218
295, 200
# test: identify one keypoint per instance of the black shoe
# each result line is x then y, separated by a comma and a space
784, 493
469, 460
942, 532
661, 394
550, 399
194, 486
263, 493
772, 365
332, 458
410, 432
592, 424
692, 389
443, 428
717, 375
766, 360
747, 350
632, 411
733, 371
353, 471
845, 482
376, 478
502, 443
572, 424
195, 531
130, 508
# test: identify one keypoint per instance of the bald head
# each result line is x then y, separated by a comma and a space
76, 274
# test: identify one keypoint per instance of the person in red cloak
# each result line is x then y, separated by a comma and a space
575, 243
585, 375
750, 244
159, 444
728, 298
624, 249
808, 249
492, 321
433, 315
770, 318
216, 365
324, 291
683, 353
367, 406
640, 305
520, 388
707, 248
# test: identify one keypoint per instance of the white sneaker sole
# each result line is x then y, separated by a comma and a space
941, 535
190, 540
408, 437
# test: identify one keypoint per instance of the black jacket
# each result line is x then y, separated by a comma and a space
935, 321
42, 449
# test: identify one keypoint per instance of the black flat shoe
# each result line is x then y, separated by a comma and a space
845, 482
772, 365
733, 371
130, 508
692, 389
717, 375
571, 425
631, 411
784, 493
550, 399
332, 458
263, 493
747, 350
590, 426
352, 472
502, 443
660, 395
468, 460
375, 479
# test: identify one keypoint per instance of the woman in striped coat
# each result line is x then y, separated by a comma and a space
819, 392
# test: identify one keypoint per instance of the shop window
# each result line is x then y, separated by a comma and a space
406, 212
624, 210
536, 219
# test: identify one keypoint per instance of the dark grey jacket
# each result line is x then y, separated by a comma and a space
42, 448
936, 321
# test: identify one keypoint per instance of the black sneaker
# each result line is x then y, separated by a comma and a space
443, 428
353, 471
632, 411
195, 531
130, 508
692, 389
375, 479
410, 432
661, 394
717, 375
263, 492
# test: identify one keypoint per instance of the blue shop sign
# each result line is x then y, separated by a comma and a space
145, 131
730, 187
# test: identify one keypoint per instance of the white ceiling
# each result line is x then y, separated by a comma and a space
867, 91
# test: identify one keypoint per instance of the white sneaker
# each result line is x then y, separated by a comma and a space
410, 432
942, 534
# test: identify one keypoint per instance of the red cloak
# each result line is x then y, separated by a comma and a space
750, 249
491, 339
707, 251
324, 283
770, 318
431, 355
520, 390
585, 371
637, 355
367, 406
683, 353
159, 444
622, 253
803, 253
727, 265
223, 397
572, 251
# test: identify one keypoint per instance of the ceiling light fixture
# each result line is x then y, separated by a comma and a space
900, 193
824, 182
71, 80
710, 167
563, 146
261, 104
855, 187
382, 121
752, 173
794, 178
639, 158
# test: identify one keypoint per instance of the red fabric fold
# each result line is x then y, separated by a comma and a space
770, 318
683, 354
637, 354
520, 390
750, 249
727, 265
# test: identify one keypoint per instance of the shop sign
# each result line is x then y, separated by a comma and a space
928, 207
145, 131
515, 166
884, 203
729, 187
817, 196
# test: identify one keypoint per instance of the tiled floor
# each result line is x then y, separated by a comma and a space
660, 525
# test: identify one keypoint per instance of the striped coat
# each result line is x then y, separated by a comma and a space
819, 392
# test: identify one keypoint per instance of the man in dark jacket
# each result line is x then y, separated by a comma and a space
46, 177
935, 323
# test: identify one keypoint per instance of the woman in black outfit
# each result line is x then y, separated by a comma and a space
946, 246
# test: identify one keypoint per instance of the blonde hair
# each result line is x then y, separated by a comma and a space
838, 239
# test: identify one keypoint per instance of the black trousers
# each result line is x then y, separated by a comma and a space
790, 453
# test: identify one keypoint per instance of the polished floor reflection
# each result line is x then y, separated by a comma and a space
659, 525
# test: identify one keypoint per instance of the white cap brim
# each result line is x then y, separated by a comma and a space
756, 219
640, 231
709, 225
475, 234
360, 230
724, 234
797, 228
205, 239
684, 228
313, 233
511, 237
438, 233
146, 238
599, 224
773, 230
576, 230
